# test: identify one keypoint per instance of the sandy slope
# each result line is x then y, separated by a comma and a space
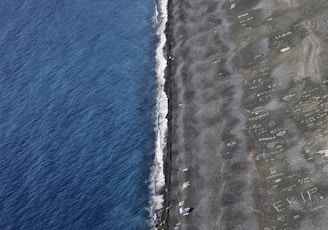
246, 87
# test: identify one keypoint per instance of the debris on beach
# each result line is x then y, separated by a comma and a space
285, 49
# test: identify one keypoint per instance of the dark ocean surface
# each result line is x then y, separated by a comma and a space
77, 113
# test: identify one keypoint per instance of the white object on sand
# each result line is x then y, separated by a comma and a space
242, 15
231, 143
281, 133
181, 203
285, 49
233, 5
185, 170
323, 152
288, 97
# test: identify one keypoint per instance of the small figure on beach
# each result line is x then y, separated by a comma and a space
185, 211
177, 225
185, 185
163, 223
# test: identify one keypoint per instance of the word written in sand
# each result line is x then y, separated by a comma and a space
292, 201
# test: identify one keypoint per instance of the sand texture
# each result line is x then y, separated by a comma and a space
247, 85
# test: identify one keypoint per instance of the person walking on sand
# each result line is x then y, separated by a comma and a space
185, 185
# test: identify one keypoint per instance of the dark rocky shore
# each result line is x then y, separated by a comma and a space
247, 87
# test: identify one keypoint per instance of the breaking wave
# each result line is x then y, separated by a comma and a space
157, 178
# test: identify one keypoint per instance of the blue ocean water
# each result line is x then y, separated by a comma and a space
77, 98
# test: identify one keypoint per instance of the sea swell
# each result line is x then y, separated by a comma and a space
157, 178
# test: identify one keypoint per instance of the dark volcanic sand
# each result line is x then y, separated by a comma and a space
248, 114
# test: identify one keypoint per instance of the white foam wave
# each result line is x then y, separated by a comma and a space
157, 178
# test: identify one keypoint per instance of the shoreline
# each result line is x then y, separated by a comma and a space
167, 159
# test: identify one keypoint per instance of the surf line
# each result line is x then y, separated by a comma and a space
157, 177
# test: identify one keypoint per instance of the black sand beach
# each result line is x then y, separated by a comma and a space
248, 105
